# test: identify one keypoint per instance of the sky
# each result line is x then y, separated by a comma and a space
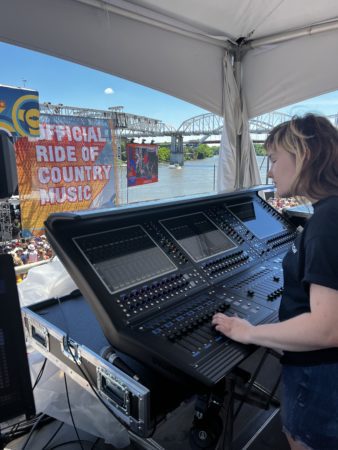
59, 81
70, 84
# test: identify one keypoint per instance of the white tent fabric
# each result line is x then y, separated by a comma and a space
227, 164
177, 46
248, 169
236, 169
278, 75
227, 169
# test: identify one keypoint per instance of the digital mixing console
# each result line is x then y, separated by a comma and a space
154, 275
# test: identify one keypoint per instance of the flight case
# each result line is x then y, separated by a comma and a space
66, 332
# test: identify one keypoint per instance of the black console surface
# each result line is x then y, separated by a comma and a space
154, 276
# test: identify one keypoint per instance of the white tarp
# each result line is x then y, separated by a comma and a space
235, 169
279, 75
165, 45
179, 64
178, 47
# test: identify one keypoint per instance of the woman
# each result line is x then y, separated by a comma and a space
304, 162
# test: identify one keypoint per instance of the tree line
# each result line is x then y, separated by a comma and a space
200, 151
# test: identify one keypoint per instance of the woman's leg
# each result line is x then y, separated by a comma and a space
294, 445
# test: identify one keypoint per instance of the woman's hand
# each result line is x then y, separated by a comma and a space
233, 327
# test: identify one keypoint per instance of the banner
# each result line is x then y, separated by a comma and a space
19, 111
142, 164
70, 167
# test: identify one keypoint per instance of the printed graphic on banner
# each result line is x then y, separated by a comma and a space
142, 164
19, 111
70, 167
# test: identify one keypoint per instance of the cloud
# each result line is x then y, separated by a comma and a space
109, 91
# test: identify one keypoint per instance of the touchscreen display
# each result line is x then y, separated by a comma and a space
124, 257
198, 236
257, 219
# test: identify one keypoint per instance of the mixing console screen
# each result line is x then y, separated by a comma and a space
198, 236
257, 219
124, 257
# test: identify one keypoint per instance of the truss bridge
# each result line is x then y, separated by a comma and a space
204, 126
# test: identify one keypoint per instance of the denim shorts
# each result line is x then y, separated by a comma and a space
310, 405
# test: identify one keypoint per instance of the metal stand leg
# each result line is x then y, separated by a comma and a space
207, 425
262, 398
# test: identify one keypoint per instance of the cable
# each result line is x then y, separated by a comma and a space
32, 431
53, 436
251, 384
24, 427
70, 411
71, 351
89, 381
70, 348
38, 378
94, 444
20, 422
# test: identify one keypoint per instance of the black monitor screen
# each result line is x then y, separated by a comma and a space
124, 257
198, 236
16, 394
8, 172
257, 219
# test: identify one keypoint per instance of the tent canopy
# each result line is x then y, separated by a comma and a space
177, 46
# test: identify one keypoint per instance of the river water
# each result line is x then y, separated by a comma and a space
195, 177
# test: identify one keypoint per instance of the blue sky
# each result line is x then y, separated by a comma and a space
63, 82
326, 104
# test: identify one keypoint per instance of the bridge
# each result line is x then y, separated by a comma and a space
129, 126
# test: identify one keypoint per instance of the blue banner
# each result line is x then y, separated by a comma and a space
19, 111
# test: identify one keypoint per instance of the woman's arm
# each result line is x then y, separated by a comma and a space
309, 331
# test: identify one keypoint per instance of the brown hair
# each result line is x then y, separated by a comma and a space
313, 141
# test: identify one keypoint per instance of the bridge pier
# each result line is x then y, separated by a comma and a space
176, 150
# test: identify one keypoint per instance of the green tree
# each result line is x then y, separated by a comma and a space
164, 154
203, 151
260, 149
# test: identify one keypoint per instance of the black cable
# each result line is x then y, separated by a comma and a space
21, 421
101, 400
89, 381
70, 349
70, 411
16, 430
227, 419
94, 444
156, 423
32, 431
251, 382
53, 436
38, 378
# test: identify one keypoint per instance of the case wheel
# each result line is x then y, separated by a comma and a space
205, 433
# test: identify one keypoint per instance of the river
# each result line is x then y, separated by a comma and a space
195, 177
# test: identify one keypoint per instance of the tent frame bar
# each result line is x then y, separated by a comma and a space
158, 21
301, 32
223, 42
